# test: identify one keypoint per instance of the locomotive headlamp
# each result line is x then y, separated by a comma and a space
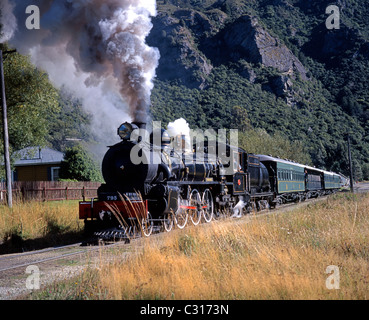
125, 130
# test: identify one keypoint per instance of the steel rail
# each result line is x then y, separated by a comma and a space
42, 260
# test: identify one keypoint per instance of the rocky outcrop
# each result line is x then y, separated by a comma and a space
197, 22
247, 39
180, 59
190, 44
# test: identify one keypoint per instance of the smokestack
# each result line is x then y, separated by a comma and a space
140, 125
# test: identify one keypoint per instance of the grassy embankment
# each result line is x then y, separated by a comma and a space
31, 225
282, 256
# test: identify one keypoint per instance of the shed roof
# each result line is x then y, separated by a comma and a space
38, 156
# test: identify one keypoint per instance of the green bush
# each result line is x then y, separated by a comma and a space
79, 165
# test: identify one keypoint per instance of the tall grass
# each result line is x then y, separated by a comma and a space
27, 221
275, 256
281, 256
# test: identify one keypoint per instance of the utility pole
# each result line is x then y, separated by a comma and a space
350, 163
5, 133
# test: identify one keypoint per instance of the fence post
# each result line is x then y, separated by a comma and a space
66, 193
44, 193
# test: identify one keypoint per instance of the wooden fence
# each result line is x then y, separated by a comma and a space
50, 190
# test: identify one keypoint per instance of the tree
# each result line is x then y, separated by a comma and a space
71, 123
241, 119
258, 141
30, 98
79, 165
365, 169
358, 173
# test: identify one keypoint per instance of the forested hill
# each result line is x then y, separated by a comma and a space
276, 63
269, 68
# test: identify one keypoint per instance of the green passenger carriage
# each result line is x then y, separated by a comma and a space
291, 177
287, 178
332, 181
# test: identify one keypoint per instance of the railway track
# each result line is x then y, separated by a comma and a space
13, 261
21, 260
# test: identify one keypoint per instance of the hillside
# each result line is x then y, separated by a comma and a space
277, 61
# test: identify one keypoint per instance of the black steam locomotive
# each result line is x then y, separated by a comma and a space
156, 181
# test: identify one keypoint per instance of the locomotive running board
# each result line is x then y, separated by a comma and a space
258, 195
175, 183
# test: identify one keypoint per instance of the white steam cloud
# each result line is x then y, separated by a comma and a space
95, 48
178, 127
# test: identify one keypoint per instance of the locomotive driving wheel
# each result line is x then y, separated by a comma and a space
207, 205
168, 222
195, 207
181, 216
147, 225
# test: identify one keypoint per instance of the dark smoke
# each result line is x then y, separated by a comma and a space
96, 47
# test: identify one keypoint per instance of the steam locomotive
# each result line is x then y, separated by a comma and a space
157, 181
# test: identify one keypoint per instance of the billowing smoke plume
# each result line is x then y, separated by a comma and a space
7, 21
95, 47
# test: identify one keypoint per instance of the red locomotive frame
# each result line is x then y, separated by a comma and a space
125, 209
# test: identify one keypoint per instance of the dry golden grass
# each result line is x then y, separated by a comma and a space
279, 256
31, 220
